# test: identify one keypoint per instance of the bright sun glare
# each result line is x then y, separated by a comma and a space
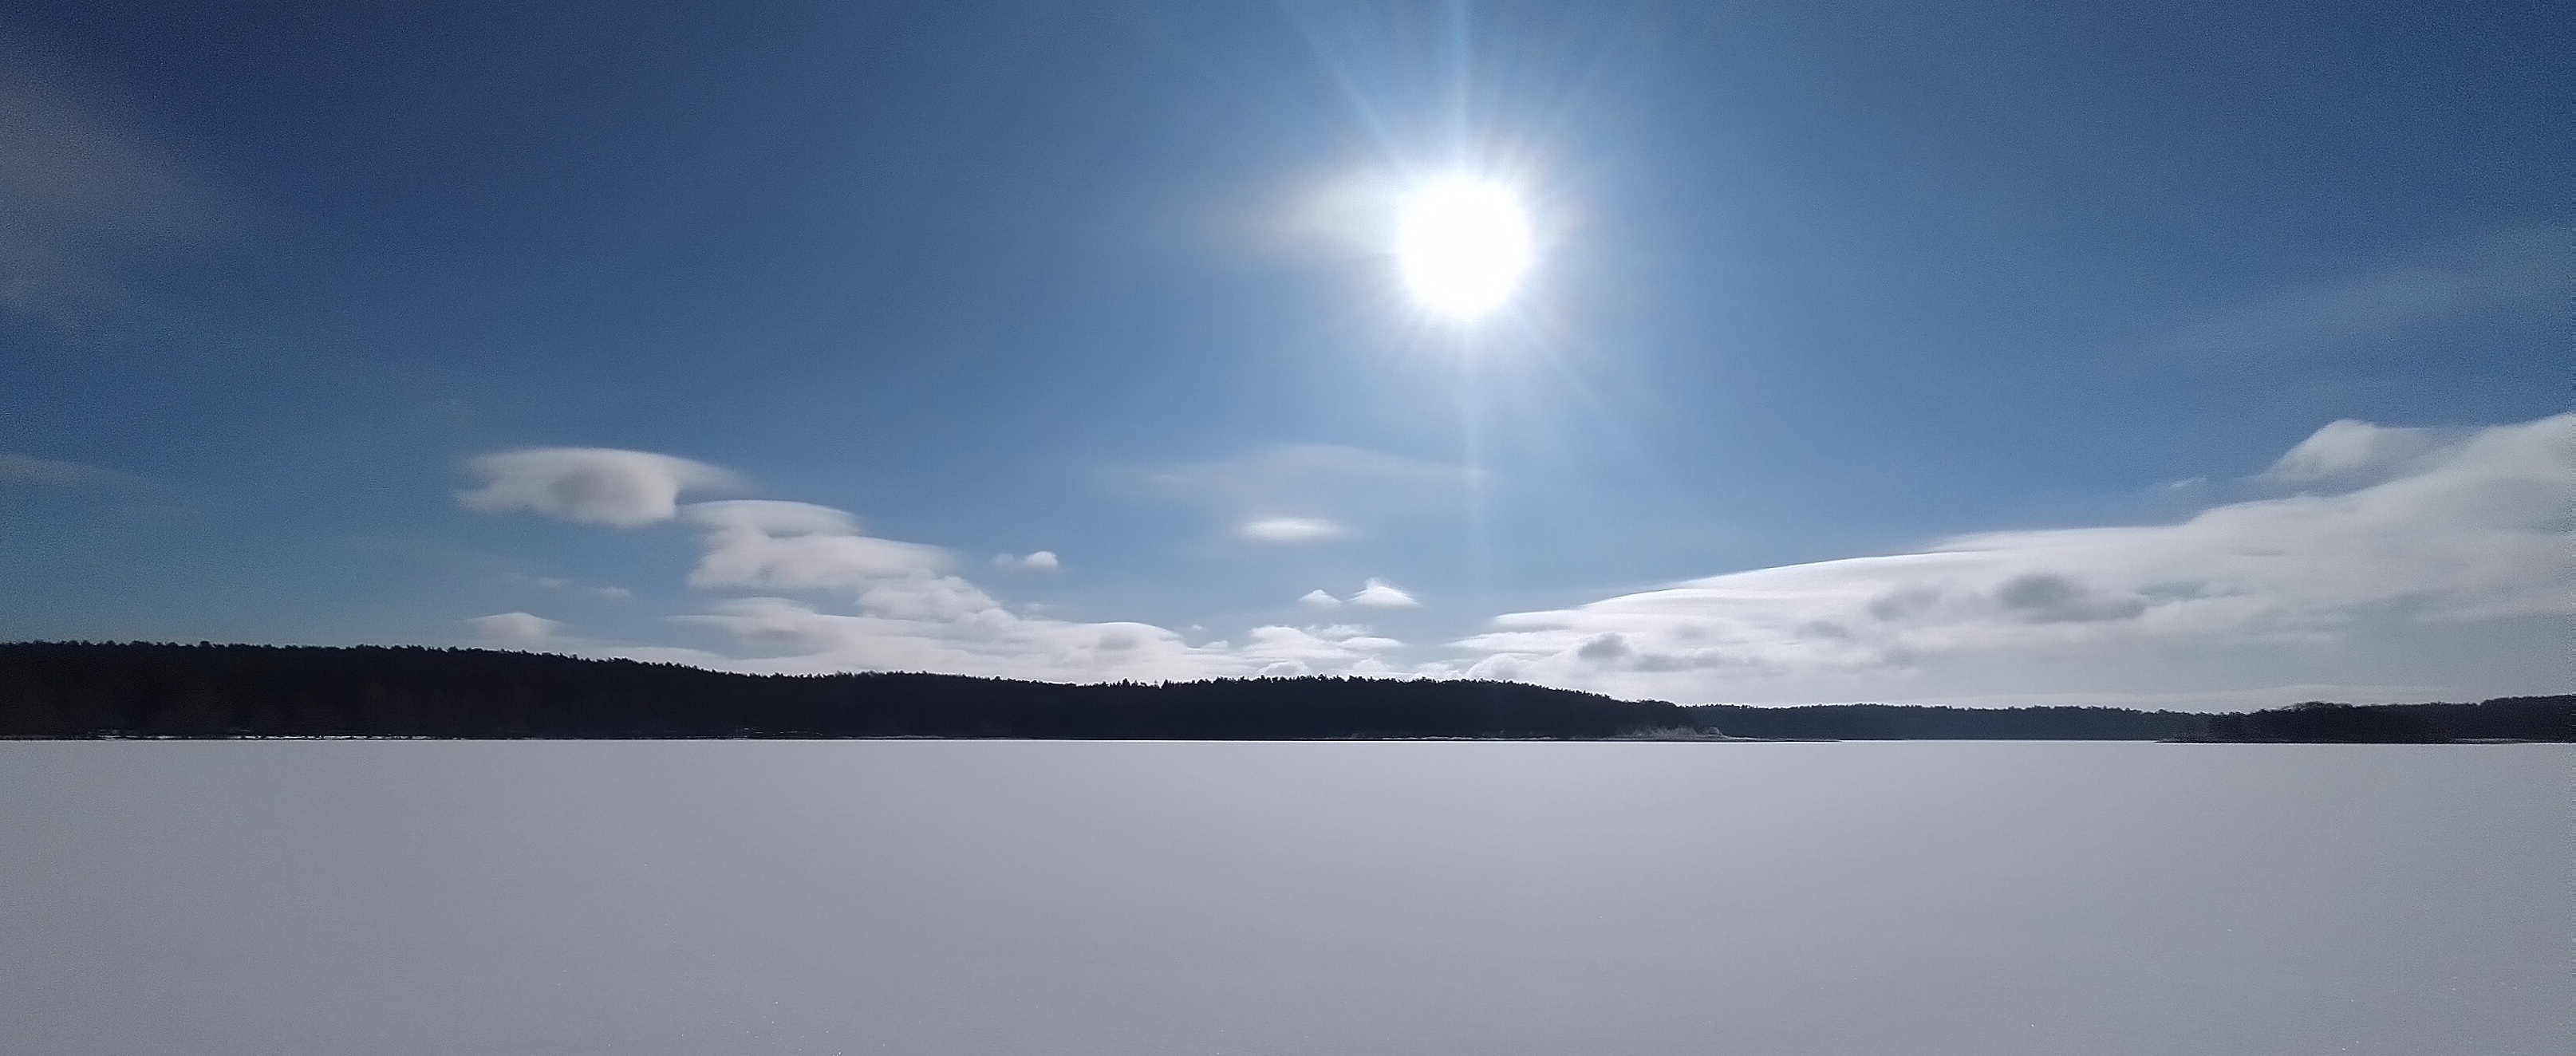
1463, 246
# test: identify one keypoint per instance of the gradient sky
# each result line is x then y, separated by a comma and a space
2183, 355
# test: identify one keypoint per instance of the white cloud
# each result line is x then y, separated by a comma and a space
947, 626
1041, 561
1290, 530
799, 546
909, 613
1380, 594
516, 630
2350, 447
929, 597
593, 485
2473, 528
2438, 565
990, 642
1354, 636
1287, 652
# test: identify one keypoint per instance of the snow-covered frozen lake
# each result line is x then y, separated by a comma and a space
927, 897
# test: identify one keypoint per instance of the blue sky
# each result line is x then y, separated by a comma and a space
2201, 356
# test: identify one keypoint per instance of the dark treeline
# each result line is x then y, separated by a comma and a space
2504, 718
147, 690
81, 690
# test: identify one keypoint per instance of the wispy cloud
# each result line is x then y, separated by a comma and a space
126, 493
1291, 530
2522, 268
79, 184
1299, 493
523, 579
28, 469
1285, 470
593, 485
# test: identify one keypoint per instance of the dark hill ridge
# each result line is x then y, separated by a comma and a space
75, 689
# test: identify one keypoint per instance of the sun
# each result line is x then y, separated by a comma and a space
1463, 246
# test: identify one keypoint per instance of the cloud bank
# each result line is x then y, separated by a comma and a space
2470, 528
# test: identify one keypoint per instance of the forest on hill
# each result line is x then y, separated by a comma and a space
83, 690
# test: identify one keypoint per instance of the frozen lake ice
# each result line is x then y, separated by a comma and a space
1266, 899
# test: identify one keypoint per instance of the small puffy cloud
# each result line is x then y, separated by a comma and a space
1291, 530
798, 546
517, 630
2349, 447
1041, 561
1380, 594
593, 485
1320, 600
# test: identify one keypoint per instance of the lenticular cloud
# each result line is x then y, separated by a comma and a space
593, 485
